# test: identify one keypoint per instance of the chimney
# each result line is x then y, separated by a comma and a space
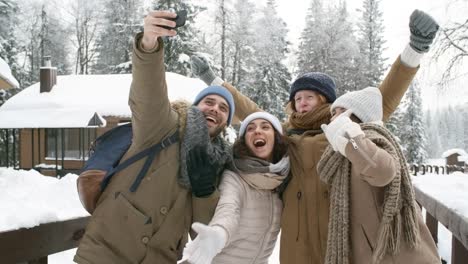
48, 76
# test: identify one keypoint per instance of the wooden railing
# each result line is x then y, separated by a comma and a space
34, 245
438, 212
436, 169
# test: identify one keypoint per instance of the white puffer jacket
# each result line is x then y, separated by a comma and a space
251, 218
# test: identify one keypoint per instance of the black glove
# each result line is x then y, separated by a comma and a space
423, 30
201, 172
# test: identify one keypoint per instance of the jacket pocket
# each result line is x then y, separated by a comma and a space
124, 228
368, 241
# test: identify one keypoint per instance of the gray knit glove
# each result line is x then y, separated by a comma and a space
423, 30
201, 69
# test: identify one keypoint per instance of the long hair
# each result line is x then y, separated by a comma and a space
280, 148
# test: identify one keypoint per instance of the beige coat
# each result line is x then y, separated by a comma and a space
366, 198
251, 218
150, 225
304, 222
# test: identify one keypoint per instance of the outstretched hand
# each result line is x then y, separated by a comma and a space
208, 243
153, 27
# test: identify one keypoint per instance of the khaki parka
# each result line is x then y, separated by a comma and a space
304, 221
151, 224
367, 198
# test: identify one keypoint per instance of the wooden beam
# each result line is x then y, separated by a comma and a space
459, 252
432, 225
35, 244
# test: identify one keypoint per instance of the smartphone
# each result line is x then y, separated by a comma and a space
179, 19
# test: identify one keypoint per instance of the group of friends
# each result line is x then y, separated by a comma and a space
332, 178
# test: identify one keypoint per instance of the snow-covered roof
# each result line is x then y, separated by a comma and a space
463, 159
449, 152
79, 100
6, 78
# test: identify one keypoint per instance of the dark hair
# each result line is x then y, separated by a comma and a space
280, 148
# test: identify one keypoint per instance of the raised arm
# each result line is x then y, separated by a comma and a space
152, 116
423, 30
244, 106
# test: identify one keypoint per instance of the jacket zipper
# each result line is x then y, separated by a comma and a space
363, 154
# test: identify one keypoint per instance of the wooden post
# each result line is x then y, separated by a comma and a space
459, 252
432, 225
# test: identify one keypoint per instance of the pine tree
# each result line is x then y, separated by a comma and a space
270, 78
433, 140
328, 45
395, 123
371, 43
414, 134
9, 47
177, 49
240, 38
114, 44
86, 16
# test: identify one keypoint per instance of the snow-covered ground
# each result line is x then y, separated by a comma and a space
28, 199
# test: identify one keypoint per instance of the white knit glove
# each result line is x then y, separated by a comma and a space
338, 129
208, 243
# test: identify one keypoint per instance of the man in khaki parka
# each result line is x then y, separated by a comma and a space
151, 223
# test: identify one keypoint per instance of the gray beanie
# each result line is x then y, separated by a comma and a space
366, 104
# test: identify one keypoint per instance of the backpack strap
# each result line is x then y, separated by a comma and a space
150, 153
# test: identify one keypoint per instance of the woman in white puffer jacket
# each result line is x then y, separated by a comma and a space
246, 223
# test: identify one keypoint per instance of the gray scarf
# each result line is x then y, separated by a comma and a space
196, 134
399, 213
261, 174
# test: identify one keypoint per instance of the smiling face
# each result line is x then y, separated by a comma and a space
260, 138
307, 100
216, 111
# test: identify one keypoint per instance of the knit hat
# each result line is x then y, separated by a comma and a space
221, 91
314, 81
260, 115
366, 104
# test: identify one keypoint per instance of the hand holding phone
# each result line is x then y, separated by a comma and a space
180, 19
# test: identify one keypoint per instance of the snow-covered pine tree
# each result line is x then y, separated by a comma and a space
115, 39
328, 45
371, 43
43, 34
395, 123
270, 78
240, 38
414, 134
310, 55
459, 128
177, 49
433, 140
9, 47
86, 20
